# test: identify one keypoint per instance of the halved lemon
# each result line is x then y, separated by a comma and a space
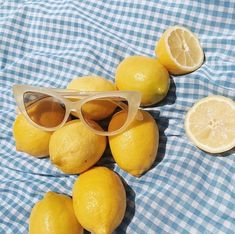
179, 50
210, 124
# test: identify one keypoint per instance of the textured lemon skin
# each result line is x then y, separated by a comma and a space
95, 110
99, 200
135, 149
74, 148
30, 139
54, 214
143, 74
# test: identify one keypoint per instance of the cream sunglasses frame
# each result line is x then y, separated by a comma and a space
132, 97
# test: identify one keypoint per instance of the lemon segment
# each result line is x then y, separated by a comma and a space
210, 124
179, 50
99, 200
54, 214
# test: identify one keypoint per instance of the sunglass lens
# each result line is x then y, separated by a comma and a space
101, 111
43, 109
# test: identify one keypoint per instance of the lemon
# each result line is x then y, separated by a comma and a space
145, 75
210, 124
99, 200
30, 139
135, 149
98, 109
74, 148
54, 214
179, 50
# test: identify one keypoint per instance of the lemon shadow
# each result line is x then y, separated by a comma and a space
106, 159
130, 208
228, 153
162, 123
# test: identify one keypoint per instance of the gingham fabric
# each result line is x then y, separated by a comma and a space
48, 43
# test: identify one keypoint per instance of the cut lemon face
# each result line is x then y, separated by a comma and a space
210, 124
179, 51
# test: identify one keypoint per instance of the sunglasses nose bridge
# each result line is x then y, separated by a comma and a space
74, 106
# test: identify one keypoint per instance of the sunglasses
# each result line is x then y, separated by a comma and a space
49, 109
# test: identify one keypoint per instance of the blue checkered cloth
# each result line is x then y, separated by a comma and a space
50, 42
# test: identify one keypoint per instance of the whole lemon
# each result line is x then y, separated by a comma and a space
99, 200
145, 75
54, 214
74, 148
98, 109
135, 149
30, 139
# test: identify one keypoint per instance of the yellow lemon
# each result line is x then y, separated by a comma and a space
135, 149
179, 50
99, 109
30, 139
74, 148
145, 75
54, 214
210, 124
99, 200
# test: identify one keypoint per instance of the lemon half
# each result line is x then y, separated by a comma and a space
179, 50
210, 124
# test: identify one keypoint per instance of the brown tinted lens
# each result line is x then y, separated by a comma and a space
101, 111
44, 110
